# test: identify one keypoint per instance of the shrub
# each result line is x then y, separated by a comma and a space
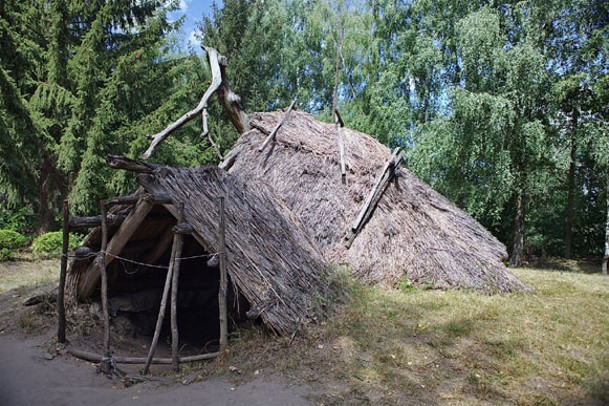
49, 245
9, 241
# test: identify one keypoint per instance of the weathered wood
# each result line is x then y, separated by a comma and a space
128, 164
157, 198
375, 195
206, 132
339, 123
161, 247
92, 357
216, 81
121, 237
179, 243
79, 223
126, 200
61, 308
273, 134
182, 228
161, 316
104, 278
229, 160
230, 101
223, 278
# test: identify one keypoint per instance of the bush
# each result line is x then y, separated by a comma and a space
9, 241
49, 245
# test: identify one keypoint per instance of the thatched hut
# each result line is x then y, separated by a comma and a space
276, 271
414, 232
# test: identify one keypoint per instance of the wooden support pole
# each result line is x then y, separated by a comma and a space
61, 308
80, 223
104, 278
178, 243
161, 316
128, 200
223, 279
92, 357
273, 134
375, 195
339, 124
91, 276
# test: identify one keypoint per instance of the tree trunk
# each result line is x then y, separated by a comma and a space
339, 45
606, 257
570, 200
518, 243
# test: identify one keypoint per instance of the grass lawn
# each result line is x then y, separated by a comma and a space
457, 347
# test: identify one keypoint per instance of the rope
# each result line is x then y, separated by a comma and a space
92, 255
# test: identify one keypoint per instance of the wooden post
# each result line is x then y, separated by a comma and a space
178, 244
104, 278
61, 308
161, 316
223, 280
339, 123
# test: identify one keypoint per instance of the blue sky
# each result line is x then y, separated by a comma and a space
194, 10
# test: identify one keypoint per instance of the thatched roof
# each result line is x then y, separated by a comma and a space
270, 259
414, 231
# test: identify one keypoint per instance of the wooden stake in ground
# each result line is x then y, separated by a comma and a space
223, 279
61, 308
104, 278
179, 243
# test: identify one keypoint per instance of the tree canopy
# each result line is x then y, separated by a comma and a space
502, 106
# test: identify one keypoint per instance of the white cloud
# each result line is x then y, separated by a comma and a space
184, 5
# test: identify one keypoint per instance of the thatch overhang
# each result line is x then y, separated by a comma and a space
414, 232
271, 261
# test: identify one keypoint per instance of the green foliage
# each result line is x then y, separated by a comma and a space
9, 241
49, 245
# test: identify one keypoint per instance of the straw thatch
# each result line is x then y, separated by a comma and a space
414, 232
271, 261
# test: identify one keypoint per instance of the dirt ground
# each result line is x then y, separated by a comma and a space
34, 370
28, 377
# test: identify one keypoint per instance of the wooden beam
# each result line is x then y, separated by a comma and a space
126, 200
161, 247
375, 195
230, 159
80, 223
90, 279
273, 134
128, 164
92, 357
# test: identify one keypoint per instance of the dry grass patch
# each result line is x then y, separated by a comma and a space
457, 347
